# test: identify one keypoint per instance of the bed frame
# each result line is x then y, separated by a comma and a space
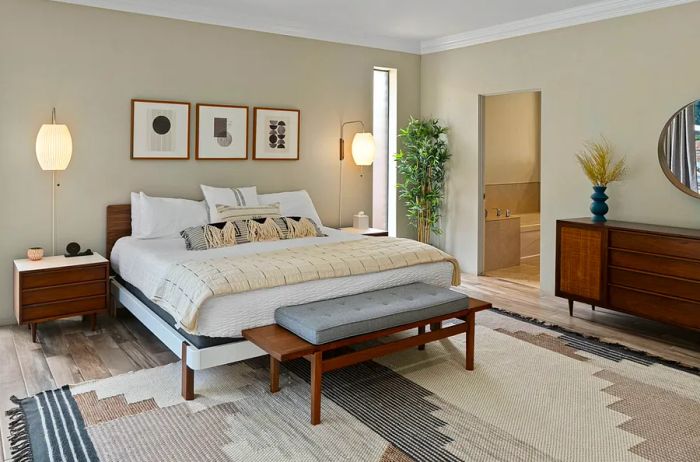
193, 358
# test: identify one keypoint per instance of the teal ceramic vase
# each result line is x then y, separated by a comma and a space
598, 207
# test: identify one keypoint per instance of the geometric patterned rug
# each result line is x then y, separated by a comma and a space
537, 394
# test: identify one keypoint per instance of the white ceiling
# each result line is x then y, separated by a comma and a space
406, 25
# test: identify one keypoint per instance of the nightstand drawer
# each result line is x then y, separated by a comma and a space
61, 309
63, 292
57, 277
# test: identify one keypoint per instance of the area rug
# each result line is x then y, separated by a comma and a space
537, 394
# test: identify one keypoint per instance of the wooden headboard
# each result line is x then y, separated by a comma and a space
118, 224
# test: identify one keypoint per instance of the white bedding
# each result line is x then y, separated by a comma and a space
144, 262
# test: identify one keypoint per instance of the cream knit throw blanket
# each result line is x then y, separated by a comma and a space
189, 284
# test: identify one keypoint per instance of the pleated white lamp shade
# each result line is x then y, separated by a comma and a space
54, 147
363, 148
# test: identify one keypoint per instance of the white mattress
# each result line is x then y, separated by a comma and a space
145, 262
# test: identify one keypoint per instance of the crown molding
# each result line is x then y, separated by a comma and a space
199, 14
593, 12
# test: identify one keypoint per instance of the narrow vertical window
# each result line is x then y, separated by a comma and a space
384, 167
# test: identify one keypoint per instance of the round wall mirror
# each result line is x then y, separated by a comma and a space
679, 149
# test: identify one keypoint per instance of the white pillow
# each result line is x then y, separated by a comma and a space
293, 204
235, 197
166, 216
135, 214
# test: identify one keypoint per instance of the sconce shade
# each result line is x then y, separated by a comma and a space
54, 147
363, 148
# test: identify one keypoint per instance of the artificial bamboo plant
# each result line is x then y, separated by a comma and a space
421, 165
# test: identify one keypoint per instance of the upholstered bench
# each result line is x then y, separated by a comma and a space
311, 329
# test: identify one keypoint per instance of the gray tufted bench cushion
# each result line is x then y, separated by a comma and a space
330, 320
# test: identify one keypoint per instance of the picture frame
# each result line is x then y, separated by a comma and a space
160, 130
273, 140
222, 132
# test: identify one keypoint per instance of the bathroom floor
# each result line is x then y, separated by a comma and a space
526, 273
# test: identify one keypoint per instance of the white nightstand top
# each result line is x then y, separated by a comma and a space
59, 261
363, 231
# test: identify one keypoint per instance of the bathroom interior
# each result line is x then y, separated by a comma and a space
512, 187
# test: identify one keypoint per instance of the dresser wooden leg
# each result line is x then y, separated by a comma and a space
32, 327
187, 376
316, 377
274, 375
593, 307
93, 322
470, 341
421, 330
571, 307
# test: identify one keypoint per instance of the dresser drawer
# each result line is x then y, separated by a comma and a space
62, 309
56, 277
655, 244
655, 264
657, 307
654, 283
63, 292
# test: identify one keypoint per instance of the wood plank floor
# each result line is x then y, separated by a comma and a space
69, 352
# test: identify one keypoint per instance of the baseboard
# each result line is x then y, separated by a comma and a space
8, 321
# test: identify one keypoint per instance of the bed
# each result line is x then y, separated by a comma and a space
139, 265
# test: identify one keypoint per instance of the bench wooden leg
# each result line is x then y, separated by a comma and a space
470, 341
435, 326
316, 376
274, 375
187, 376
421, 330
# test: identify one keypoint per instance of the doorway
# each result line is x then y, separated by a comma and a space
510, 186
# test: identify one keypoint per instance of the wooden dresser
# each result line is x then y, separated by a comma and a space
646, 270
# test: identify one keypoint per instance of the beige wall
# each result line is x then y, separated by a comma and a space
622, 78
89, 63
512, 138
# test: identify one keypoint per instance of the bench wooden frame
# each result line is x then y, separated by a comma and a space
283, 345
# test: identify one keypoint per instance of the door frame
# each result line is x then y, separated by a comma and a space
481, 235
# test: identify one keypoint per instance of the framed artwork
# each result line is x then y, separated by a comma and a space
160, 129
222, 132
276, 134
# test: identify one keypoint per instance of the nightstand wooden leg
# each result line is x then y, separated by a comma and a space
32, 327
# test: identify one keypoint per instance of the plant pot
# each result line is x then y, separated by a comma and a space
598, 207
35, 253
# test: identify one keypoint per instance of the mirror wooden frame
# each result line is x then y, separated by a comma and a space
662, 157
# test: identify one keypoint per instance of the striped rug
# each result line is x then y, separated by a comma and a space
49, 427
537, 394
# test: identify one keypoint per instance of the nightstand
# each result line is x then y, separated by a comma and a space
366, 232
60, 287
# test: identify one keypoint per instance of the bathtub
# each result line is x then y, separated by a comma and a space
529, 236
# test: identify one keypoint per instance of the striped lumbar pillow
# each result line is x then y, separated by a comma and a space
232, 213
261, 229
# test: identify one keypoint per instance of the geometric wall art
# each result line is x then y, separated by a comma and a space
160, 129
222, 132
276, 134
